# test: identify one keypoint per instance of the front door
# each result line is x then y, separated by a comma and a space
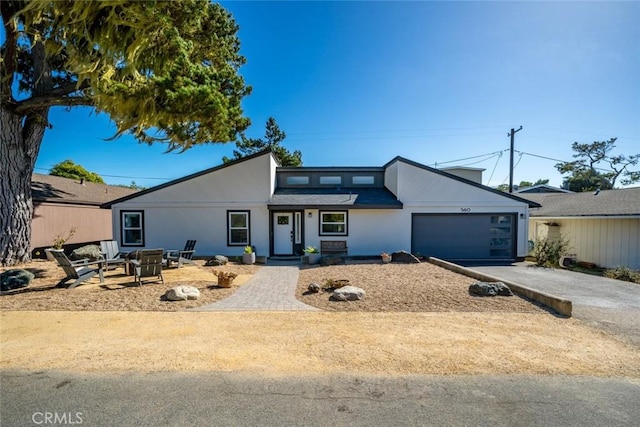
283, 233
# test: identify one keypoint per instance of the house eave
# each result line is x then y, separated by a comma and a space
335, 207
551, 217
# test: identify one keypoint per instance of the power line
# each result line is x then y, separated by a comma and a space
117, 176
470, 158
494, 167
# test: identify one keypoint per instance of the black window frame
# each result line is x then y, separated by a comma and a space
346, 222
248, 227
123, 241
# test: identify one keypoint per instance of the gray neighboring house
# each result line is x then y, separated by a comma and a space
60, 204
603, 227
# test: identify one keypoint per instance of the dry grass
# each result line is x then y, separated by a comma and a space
312, 343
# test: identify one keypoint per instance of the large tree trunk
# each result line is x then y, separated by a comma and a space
20, 139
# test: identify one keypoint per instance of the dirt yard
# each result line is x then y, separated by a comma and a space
117, 327
404, 287
119, 292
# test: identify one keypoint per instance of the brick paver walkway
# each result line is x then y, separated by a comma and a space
272, 288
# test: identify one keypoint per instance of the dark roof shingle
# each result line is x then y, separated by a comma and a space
366, 198
56, 189
620, 202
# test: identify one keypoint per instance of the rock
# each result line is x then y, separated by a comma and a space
182, 293
331, 260
405, 257
490, 289
314, 288
14, 279
92, 252
348, 293
217, 260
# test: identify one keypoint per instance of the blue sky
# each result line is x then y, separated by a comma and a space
358, 83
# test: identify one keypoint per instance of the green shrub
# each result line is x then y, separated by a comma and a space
623, 273
547, 252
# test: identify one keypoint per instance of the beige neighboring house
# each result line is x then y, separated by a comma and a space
60, 204
603, 227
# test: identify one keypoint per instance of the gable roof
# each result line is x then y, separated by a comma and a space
531, 203
56, 189
620, 202
542, 188
188, 177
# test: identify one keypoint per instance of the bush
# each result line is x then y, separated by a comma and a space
623, 273
547, 252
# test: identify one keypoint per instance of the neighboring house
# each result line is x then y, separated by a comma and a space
60, 204
542, 188
402, 205
602, 227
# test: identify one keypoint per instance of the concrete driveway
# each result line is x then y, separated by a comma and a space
608, 304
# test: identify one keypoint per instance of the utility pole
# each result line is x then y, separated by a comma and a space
511, 134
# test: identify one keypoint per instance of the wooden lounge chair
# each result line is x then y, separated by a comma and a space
112, 255
181, 256
81, 270
148, 263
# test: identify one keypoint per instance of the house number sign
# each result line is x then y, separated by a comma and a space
465, 210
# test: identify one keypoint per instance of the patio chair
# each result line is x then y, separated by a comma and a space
148, 263
80, 270
112, 255
181, 256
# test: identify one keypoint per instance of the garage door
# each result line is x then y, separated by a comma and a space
464, 236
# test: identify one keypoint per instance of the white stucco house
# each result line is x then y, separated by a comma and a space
402, 205
602, 227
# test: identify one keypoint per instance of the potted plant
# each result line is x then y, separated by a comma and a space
249, 256
58, 241
313, 253
224, 278
386, 258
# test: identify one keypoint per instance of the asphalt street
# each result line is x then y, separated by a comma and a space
228, 399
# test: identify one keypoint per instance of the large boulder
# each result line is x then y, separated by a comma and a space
92, 252
14, 279
348, 293
182, 293
216, 261
314, 288
490, 289
404, 257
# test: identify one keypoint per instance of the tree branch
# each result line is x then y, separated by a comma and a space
49, 100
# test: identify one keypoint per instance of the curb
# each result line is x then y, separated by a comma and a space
560, 305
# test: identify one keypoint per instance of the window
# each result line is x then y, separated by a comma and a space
132, 226
362, 180
297, 180
333, 223
238, 228
330, 180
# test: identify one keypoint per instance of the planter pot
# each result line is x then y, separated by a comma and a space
225, 283
249, 258
314, 258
